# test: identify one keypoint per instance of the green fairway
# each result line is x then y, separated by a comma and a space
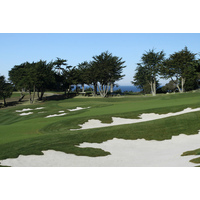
30, 134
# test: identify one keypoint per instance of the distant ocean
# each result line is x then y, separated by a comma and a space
127, 88
123, 88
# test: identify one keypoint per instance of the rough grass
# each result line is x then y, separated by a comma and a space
194, 152
32, 134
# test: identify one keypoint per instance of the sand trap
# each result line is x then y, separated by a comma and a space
39, 108
61, 111
94, 123
23, 114
124, 153
55, 115
24, 110
77, 108
28, 109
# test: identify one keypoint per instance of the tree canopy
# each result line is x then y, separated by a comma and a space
180, 65
108, 69
148, 70
6, 89
31, 77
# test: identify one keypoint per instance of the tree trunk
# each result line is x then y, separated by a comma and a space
151, 84
111, 88
33, 93
182, 84
4, 100
22, 96
100, 91
154, 87
107, 88
38, 94
103, 89
95, 89
30, 97
83, 88
41, 94
176, 84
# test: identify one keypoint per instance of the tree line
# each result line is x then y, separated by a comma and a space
182, 68
37, 77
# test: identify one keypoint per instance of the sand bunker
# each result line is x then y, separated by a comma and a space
55, 115
28, 109
124, 153
39, 108
93, 123
61, 111
24, 110
23, 114
77, 108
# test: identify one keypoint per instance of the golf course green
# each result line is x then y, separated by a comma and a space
33, 133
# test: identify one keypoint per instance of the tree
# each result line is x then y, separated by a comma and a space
44, 77
107, 69
91, 75
140, 77
5, 89
24, 77
60, 72
148, 70
32, 77
58, 63
16, 77
180, 65
69, 78
169, 87
83, 73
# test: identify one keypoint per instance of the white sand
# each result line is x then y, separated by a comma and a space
24, 110
23, 114
124, 153
28, 109
94, 123
56, 115
61, 111
77, 108
39, 108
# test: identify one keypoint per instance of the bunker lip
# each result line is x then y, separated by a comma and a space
94, 123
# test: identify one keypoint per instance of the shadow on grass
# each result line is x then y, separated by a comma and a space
15, 101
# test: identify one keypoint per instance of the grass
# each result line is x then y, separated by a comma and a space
194, 152
34, 133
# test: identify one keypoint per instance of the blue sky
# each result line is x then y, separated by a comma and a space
16, 48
